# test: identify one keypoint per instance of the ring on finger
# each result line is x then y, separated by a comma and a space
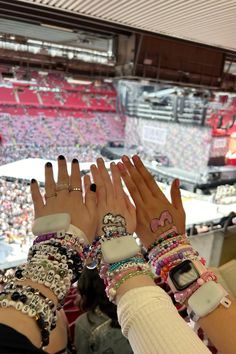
75, 189
62, 186
52, 195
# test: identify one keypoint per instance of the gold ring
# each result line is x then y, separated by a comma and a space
75, 189
50, 195
62, 186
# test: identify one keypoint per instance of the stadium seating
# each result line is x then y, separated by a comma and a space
64, 131
7, 96
49, 90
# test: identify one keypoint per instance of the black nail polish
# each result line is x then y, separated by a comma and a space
74, 161
93, 187
48, 164
61, 157
33, 180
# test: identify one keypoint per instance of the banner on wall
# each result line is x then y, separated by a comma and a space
154, 134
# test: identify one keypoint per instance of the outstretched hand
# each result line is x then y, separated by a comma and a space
66, 196
111, 197
151, 204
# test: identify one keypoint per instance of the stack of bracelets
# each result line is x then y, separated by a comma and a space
170, 250
55, 260
116, 273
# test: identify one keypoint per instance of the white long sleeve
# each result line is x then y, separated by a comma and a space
152, 324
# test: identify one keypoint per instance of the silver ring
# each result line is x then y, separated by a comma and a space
50, 195
62, 186
75, 189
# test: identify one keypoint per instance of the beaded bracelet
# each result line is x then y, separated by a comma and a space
111, 291
159, 252
169, 234
112, 276
32, 302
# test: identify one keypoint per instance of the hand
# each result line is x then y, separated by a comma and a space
111, 197
150, 201
58, 198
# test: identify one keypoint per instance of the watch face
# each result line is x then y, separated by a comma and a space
183, 275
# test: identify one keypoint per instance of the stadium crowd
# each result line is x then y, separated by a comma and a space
16, 213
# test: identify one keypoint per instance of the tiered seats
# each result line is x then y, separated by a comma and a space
7, 96
71, 100
49, 99
28, 97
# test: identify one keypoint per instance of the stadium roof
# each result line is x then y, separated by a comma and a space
209, 22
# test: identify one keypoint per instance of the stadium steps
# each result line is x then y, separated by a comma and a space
40, 99
77, 132
16, 96
11, 134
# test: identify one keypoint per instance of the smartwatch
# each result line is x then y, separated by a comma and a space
206, 299
118, 249
184, 274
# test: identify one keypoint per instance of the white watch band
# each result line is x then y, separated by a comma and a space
206, 299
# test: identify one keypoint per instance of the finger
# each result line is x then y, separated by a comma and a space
128, 202
63, 177
138, 180
36, 197
175, 194
148, 178
50, 185
133, 190
75, 180
90, 194
106, 180
116, 179
100, 190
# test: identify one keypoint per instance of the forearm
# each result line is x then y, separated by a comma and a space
147, 317
38, 289
220, 327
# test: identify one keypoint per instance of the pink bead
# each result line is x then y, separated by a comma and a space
200, 281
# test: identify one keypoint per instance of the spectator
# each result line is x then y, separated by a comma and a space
97, 330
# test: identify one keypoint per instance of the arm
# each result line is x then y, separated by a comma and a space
146, 314
220, 328
152, 324
150, 202
59, 199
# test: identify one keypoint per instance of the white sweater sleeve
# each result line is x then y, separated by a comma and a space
152, 324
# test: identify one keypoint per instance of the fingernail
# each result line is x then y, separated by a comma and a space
33, 180
177, 182
100, 159
61, 157
135, 158
93, 187
125, 158
121, 166
75, 161
48, 164
112, 164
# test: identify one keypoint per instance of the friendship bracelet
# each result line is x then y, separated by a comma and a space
160, 240
31, 302
111, 291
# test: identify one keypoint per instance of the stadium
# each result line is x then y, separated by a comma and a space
93, 78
